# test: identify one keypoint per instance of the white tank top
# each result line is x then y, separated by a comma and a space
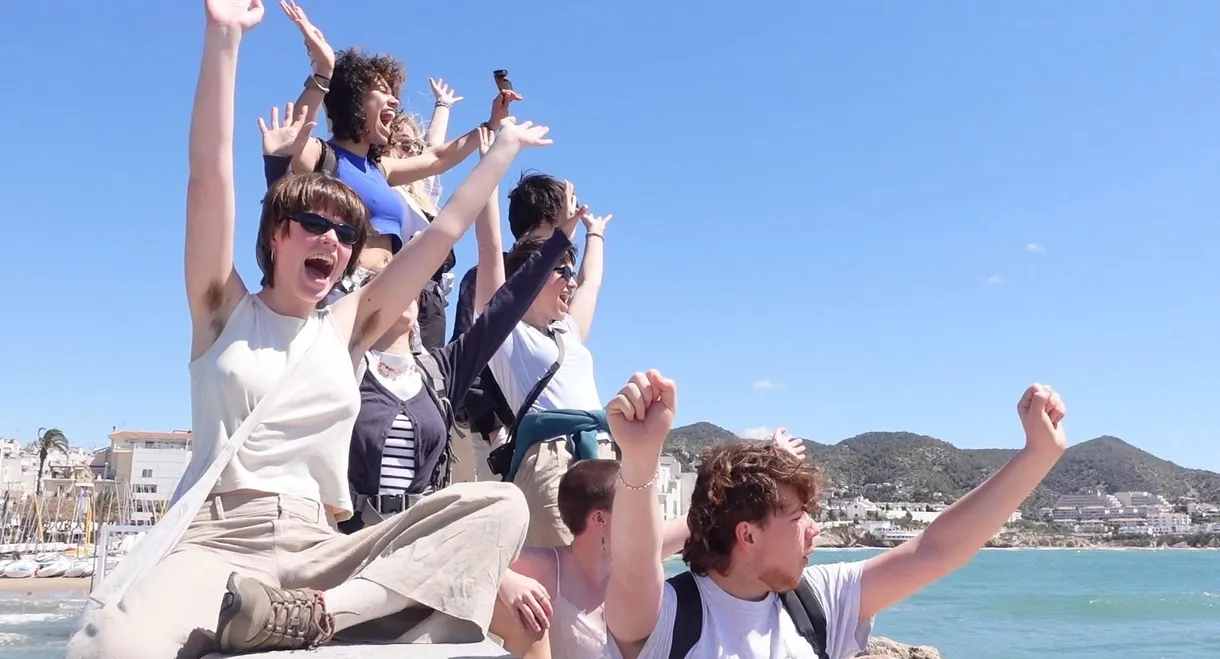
574, 632
301, 447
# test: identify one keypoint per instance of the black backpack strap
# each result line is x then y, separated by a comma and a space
328, 161
510, 445
808, 616
688, 617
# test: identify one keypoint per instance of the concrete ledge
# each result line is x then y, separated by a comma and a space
392, 651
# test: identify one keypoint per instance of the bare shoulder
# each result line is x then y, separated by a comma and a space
539, 564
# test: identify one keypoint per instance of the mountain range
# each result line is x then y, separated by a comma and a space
920, 466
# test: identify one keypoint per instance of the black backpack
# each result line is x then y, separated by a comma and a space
802, 606
483, 410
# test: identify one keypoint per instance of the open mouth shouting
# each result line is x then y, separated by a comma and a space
386, 117
319, 268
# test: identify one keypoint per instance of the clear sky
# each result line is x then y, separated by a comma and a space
836, 217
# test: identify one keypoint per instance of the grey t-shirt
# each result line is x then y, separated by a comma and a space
763, 630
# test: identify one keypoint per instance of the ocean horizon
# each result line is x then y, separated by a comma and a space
1006, 604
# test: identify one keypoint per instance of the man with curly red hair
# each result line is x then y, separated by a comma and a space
751, 534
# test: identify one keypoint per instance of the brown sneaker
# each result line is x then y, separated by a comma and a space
255, 616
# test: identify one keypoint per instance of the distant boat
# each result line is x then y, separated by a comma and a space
80, 568
22, 569
55, 568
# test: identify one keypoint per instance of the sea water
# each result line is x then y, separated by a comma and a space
1006, 604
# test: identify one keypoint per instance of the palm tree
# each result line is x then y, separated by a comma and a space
49, 439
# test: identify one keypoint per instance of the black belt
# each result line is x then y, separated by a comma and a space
388, 504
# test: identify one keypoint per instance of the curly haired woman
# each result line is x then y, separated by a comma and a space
360, 93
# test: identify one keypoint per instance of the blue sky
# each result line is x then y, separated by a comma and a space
827, 216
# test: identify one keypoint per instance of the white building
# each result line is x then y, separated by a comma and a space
688, 479
669, 488
1169, 524
1141, 500
859, 508
145, 468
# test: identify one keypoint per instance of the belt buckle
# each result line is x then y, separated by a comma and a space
391, 503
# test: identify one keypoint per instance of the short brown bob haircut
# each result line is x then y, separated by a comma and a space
587, 486
736, 483
308, 193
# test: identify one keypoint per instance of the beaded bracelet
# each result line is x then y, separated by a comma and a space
629, 486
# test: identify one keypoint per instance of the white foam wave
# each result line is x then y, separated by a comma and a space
26, 618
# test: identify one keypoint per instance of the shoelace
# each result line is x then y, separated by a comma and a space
299, 616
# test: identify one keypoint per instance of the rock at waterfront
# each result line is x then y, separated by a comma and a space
880, 647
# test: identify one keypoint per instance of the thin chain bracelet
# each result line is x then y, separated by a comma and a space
645, 486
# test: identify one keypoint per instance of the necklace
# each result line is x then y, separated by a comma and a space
392, 372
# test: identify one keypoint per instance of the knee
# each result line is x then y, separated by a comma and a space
109, 638
508, 503
116, 635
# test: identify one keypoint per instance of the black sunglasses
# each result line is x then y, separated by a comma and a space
318, 225
566, 272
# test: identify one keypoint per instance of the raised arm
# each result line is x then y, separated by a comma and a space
322, 60
489, 275
640, 417
589, 279
964, 527
469, 353
445, 98
383, 300
673, 536
213, 287
438, 160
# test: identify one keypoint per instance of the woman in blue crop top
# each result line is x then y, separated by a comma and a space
361, 97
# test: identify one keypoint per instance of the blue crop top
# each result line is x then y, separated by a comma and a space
387, 210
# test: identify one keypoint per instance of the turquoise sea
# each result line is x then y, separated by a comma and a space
1006, 604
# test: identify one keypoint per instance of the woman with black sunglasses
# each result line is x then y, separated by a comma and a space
401, 448
247, 559
553, 332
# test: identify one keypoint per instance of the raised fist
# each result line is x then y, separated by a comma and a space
642, 413
1042, 411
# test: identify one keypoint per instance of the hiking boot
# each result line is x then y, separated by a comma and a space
255, 616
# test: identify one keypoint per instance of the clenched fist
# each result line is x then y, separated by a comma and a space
1042, 411
641, 415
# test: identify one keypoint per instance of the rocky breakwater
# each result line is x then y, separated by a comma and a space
880, 647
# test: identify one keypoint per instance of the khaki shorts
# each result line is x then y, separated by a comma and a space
538, 477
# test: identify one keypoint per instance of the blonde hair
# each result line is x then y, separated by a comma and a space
401, 146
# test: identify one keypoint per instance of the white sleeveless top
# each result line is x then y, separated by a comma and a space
574, 632
301, 447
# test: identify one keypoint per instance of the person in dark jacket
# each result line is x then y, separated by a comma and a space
401, 447
535, 205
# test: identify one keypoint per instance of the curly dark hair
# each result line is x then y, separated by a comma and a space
355, 75
537, 198
739, 483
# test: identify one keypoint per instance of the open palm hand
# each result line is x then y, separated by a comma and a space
244, 14
320, 51
287, 139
